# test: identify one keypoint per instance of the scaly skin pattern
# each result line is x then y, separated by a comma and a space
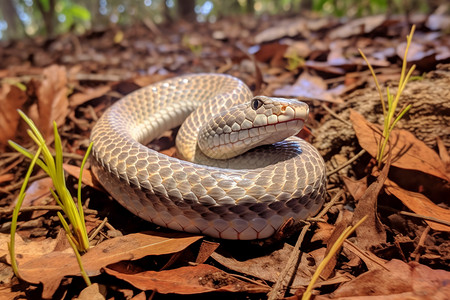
243, 198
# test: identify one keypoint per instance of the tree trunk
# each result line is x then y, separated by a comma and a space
15, 28
48, 16
185, 10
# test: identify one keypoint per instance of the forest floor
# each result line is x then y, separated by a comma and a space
401, 251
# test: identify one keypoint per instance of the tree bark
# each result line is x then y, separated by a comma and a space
185, 10
48, 16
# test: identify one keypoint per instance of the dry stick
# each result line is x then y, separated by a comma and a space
44, 207
97, 230
347, 163
331, 112
249, 280
416, 251
293, 258
410, 214
278, 286
359, 252
17, 185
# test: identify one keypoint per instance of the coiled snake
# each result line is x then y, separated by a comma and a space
248, 196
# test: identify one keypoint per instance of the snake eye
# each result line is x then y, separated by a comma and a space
256, 103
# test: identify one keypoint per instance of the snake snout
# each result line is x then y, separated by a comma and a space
262, 121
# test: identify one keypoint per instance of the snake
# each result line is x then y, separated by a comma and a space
240, 171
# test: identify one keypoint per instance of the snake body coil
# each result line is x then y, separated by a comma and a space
244, 197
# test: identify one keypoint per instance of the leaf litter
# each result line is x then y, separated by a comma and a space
305, 58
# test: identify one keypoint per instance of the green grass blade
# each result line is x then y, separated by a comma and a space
15, 216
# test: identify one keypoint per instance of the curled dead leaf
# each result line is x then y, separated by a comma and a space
11, 99
188, 280
407, 151
398, 280
53, 104
420, 204
51, 268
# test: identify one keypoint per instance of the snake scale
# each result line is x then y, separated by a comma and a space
245, 195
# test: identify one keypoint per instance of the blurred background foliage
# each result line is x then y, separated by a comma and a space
29, 18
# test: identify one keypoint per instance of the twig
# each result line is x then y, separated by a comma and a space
43, 207
17, 185
330, 204
249, 280
410, 214
416, 252
292, 261
97, 230
296, 251
359, 252
350, 161
331, 112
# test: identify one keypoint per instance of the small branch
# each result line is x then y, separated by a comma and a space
410, 214
350, 161
331, 112
416, 252
292, 261
43, 207
17, 185
97, 230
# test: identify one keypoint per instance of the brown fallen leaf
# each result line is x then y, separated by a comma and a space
88, 94
398, 279
443, 154
308, 86
11, 99
51, 268
371, 232
407, 151
88, 178
6, 177
323, 232
188, 280
26, 250
356, 188
345, 218
371, 260
206, 249
357, 27
53, 104
420, 204
270, 266
93, 292
36, 191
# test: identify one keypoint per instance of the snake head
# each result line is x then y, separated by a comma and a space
261, 121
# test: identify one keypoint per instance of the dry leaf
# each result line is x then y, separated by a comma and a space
206, 249
357, 26
400, 280
343, 222
93, 292
11, 99
188, 280
26, 250
407, 152
420, 204
53, 104
371, 232
36, 191
308, 86
6, 177
371, 260
50, 269
323, 232
88, 94
356, 188
88, 178
269, 267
